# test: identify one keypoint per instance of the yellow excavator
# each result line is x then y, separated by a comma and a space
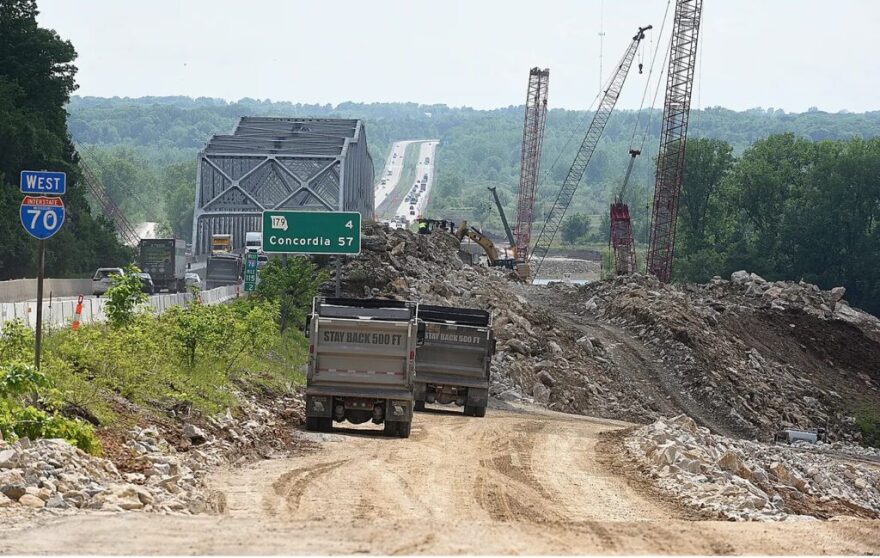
492, 253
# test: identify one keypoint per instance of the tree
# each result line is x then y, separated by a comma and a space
36, 80
292, 284
575, 227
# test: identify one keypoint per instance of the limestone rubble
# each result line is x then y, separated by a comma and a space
746, 480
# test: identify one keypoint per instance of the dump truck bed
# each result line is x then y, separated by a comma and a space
452, 365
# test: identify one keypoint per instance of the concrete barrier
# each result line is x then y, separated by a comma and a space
20, 290
59, 314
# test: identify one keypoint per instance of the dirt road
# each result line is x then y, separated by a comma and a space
514, 482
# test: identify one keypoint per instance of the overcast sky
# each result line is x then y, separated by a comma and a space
790, 54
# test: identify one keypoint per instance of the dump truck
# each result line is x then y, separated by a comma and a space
221, 243
361, 363
165, 260
452, 364
222, 270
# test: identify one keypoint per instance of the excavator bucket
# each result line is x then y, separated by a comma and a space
622, 240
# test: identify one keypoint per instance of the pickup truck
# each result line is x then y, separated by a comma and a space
452, 365
361, 363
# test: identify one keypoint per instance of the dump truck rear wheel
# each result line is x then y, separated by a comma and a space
390, 428
419, 406
403, 429
325, 424
479, 411
468, 411
312, 424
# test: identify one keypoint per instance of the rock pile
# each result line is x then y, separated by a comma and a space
538, 360
756, 356
54, 476
746, 480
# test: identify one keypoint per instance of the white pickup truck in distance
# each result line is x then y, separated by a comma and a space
452, 364
361, 363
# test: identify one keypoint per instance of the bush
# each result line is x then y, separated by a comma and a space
292, 285
19, 381
124, 296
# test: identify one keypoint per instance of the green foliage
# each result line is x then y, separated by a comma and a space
868, 422
36, 80
788, 208
18, 417
16, 342
575, 227
292, 285
124, 297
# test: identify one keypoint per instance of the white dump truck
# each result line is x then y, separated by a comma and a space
361, 363
452, 364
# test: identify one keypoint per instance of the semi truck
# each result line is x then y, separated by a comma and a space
253, 241
452, 365
165, 260
222, 270
361, 363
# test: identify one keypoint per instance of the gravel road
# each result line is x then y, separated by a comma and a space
519, 481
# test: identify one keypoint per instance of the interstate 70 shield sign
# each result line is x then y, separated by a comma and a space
42, 216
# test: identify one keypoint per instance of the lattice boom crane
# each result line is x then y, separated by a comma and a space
673, 136
585, 152
530, 159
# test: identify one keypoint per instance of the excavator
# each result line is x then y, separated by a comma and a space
496, 259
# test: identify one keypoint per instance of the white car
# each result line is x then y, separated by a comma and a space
102, 279
193, 279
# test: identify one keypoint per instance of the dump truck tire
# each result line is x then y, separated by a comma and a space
419, 406
479, 411
390, 428
312, 424
325, 424
403, 429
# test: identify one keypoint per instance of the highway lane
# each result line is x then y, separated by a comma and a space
391, 172
411, 211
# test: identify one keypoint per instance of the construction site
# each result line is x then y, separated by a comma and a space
461, 393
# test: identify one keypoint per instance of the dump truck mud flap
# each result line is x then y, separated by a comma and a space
477, 397
419, 391
399, 410
319, 406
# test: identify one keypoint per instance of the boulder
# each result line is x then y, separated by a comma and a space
740, 277
8, 459
14, 491
837, 293
6, 502
31, 501
194, 434
585, 344
546, 378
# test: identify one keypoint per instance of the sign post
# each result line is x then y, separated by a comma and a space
250, 271
41, 216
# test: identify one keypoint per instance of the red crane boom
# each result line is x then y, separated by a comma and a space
530, 159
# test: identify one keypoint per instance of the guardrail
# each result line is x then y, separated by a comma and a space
61, 313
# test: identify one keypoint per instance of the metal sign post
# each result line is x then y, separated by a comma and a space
41, 217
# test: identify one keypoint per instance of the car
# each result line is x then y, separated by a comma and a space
262, 260
147, 283
103, 278
193, 279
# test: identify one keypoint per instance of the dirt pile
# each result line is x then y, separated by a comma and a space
740, 479
748, 357
539, 359
149, 469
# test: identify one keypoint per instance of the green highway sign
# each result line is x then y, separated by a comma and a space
250, 271
312, 232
